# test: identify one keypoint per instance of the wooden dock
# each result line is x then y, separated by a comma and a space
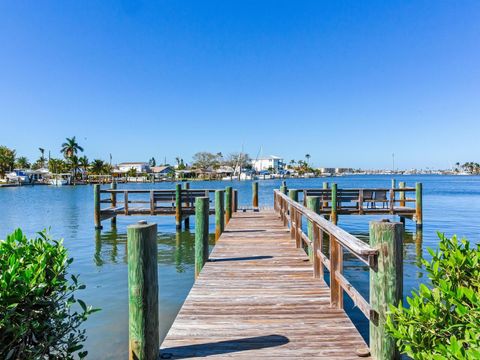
257, 297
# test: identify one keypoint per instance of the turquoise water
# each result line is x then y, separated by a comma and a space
451, 205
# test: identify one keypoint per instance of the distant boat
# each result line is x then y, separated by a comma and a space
60, 179
18, 176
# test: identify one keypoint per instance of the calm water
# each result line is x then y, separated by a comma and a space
451, 205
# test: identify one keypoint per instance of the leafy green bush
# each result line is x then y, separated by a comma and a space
37, 320
443, 322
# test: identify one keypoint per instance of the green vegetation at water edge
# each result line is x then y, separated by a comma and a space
443, 320
40, 316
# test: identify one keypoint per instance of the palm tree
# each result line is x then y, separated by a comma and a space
97, 166
74, 164
84, 164
70, 147
292, 163
22, 163
307, 156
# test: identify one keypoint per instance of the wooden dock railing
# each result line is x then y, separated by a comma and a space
383, 256
366, 201
179, 202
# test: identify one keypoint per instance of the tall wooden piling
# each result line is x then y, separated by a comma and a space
418, 207
143, 321
325, 187
283, 187
293, 194
313, 203
96, 207
394, 183
333, 213
113, 200
186, 222
255, 194
386, 283
228, 203
178, 206
201, 233
219, 213
401, 185
235, 201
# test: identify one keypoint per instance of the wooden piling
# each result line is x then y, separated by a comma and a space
325, 187
235, 200
283, 187
96, 207
394, 183
219, 213
386, 284
313, 203
228, 203
255, 194
333, 214
186, 222
293, 194
113, 200
201, 233
178, 206
143, 321
418, 205
401, 185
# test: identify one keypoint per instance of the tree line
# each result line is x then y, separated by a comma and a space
71, 161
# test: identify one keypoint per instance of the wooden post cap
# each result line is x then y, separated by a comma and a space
362, 352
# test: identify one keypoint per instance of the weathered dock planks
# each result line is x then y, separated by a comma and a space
257, 298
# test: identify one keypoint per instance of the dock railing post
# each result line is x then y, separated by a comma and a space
235, 201
313, 203
418, 205
201, 233
96, 207
336, 265
333, 214
293, 194
386, 283
178, 206
255, 194
186, 222
143, 291
113, 200
219, 213
228, 203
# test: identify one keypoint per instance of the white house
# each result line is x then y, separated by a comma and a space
140, 167
268, 163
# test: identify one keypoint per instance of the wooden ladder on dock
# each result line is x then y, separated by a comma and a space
257, 298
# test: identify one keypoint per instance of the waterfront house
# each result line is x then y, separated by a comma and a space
270, 163
140, 167
161, 172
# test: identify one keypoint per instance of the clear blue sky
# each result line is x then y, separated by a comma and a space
349, 82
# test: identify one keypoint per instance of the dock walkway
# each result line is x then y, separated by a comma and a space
257, 298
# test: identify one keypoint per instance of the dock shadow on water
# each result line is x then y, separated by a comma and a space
223, 347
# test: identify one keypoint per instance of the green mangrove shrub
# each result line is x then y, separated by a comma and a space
40, 317
443, 320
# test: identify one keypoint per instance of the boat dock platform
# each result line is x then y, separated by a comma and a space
257, 297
